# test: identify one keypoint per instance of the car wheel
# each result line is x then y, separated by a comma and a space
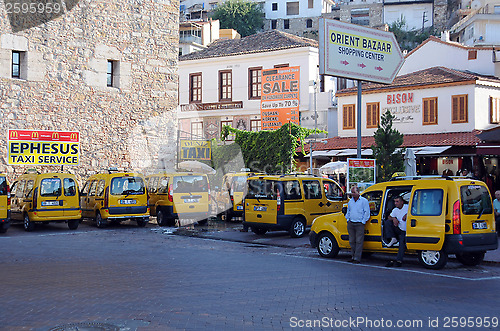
433, 259
142, 223
73, 224
160, 218
298, 228
259, 231
100, 222
327, 245
228, 215
28, 224
470, 259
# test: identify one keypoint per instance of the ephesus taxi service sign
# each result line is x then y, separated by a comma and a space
38, 147
359, 53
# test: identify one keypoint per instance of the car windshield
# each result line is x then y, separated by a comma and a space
127, 186
190, 184
261, 189
475, 200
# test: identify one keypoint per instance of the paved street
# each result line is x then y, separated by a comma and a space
129, 278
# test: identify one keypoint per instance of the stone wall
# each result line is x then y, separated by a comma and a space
63, 84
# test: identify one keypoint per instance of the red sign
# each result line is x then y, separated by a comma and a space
361, 163
40, 135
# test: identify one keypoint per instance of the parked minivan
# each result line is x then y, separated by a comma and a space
4, 204
179, 195
43, 198
115, 197
289, 202
230, 196
445, 216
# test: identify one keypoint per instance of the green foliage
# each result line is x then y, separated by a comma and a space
387, 140
408, 40
244, 16
263, 151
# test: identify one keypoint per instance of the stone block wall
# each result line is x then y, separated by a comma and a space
63, 85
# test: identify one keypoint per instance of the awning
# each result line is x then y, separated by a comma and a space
429, 150
488, 149
341, 152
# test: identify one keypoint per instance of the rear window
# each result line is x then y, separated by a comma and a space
475, 200
189, 184
3, 186
69, 187
427, 202
262, 189
239, 183
127, 186
50, 187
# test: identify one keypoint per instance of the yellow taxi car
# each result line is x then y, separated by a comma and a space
229, 197
445, 216
289, 202
4, 204
43, 198
179, 195
115, 197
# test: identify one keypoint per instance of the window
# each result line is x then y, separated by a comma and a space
333, 191
372, 114
348, 117
282, 65
127, 186
475, 200
292, 8
430, 115
152, 184
309, 23
69, 185
262, 189
310, 4
275, 6
92, 188
273, 24
286, 24
427, 203
255, 125
472, 54
292, 190
50, 187
197, 130
459, 113
494, 110
195, 87
375, 201
100, 188
254, 82
111, 73
312, 189
16, 64
29, 188
225, 85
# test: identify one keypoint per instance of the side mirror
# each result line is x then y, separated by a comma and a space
344, 210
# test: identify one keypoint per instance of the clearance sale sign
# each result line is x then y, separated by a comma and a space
36, 147
279, 97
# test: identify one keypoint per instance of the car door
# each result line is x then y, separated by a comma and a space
16, 199
425, 224
373, 227
84, 199
314, 199
333, 198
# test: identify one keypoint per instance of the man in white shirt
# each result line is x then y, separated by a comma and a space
398, 218
358, 213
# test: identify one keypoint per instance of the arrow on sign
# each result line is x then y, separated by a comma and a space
379, 68
344, 62
362, 65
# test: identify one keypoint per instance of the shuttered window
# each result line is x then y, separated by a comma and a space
348, 117
430, 113
494, 110
372, 114
459, 108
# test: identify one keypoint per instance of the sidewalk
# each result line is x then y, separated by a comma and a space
231, 232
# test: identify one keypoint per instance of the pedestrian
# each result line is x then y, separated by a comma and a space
496, 208
358, 213
398, 218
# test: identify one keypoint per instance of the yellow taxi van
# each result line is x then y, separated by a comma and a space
289, 202
4, 204
115, 197
229, 197
179, 195
448, 215
42, 198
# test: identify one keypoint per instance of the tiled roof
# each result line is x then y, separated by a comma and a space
409, 140
272, 40
450, 43
430, 76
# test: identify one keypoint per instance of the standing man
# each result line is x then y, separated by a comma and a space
358, 213
398, 217
496, 208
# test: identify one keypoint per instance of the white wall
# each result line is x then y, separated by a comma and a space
304, 11
412, 14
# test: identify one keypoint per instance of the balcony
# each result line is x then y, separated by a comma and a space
187, 39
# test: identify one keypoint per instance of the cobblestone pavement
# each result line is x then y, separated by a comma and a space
147, 279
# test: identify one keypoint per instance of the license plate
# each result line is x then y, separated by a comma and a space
191, 200
259, 208
239, 207
128, 202
50, 203
479, 225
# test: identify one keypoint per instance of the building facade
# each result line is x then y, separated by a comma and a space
107, 70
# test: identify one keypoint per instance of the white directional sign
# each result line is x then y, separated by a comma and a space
356, 52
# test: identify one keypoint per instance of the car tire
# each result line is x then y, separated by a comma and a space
470, 259
100, 222
433, 259
297, 228
259, 231
160, 218
327, 245
28, 224
73, 224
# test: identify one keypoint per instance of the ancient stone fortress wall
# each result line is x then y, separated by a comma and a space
62, 83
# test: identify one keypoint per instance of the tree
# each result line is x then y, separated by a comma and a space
408, 40
387, 141
244, 16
